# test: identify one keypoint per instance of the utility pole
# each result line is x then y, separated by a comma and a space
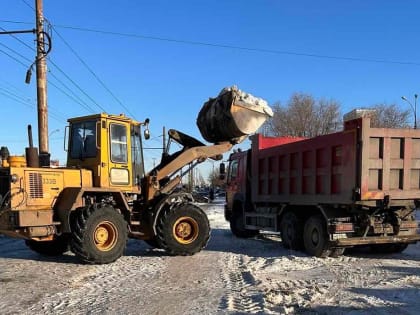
41, 80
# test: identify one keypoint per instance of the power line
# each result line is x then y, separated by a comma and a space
216, 45
79, 101
19, 40
31, 104
15, 59
27, 4
73, 98
19, 100
88, 68
16, 53
93, 73
76, 85
60, 70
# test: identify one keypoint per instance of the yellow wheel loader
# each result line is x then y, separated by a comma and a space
103, 195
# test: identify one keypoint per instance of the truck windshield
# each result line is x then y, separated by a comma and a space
83, 140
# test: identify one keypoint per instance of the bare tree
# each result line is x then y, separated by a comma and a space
304, 116
390, 116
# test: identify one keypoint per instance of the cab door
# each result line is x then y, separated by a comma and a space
119, 156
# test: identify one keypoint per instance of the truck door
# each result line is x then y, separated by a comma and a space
233, 180
118, 154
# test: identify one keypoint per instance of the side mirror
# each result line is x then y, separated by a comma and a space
146, 134
146, 130
222, 169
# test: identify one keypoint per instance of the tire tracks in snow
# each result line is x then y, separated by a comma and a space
242, 295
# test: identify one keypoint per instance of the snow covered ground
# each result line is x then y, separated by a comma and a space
231, 276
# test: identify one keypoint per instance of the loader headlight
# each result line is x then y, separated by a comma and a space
14, 178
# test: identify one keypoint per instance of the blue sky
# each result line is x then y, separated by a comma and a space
168, 81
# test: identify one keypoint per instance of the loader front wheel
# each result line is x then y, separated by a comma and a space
99, 234
182, 229
56, 247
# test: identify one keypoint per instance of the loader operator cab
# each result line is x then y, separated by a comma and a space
110, 146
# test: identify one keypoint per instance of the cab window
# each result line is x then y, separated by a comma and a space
118, 143
233, 170
83, 140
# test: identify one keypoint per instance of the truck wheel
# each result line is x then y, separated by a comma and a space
99, 234
388, 248
315, 237
291, 230
182, 230
237, 226
56, 247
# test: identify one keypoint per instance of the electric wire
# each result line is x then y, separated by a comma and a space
32, 103
75, 84
74, 97
225, 46
19, 100
101, 82
19, 40
16, 53
15, 59
27, 4
63, 73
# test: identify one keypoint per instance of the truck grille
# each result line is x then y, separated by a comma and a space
35, 186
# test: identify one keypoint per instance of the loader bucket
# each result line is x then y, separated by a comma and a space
232, 116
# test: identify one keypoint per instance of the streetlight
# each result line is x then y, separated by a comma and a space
54, 131
414, 108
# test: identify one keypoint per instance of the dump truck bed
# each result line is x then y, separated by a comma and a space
358, 164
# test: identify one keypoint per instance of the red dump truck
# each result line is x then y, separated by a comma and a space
360, 186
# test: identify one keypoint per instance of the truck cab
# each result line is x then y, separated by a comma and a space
236, 185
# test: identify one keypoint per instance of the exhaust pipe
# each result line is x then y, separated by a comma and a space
31, 153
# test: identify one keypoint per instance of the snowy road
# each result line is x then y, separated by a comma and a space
231, 275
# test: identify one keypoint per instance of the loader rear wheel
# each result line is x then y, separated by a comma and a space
56, 247
291, 231
99, 234
315, 237
182, 229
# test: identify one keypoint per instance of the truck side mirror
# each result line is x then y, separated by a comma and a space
222, 169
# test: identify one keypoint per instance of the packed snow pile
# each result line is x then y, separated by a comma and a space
232, 116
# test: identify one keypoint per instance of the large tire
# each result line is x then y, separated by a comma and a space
99, 234
182, 229
237, 226
388, 248
291, 229
56, 247
315, 237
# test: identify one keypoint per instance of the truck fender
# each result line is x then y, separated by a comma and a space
172, 199
71, 198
